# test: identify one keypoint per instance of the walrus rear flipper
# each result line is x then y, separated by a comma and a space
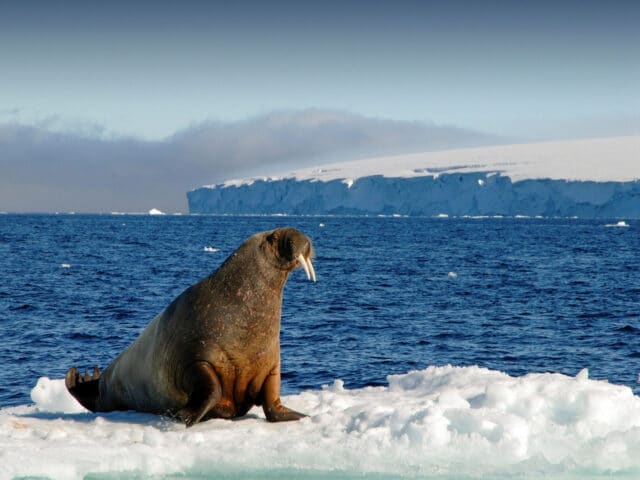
205, 392
84, 388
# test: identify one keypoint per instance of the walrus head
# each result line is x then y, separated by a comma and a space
292, 249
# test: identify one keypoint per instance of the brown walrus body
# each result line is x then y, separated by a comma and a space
215, 350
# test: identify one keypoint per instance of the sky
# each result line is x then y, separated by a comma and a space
80, 76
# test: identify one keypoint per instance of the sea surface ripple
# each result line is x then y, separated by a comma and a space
393, 294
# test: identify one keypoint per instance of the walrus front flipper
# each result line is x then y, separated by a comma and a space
84, 388
273, 408
280, 413
202, 384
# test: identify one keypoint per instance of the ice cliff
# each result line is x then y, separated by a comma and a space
587, 178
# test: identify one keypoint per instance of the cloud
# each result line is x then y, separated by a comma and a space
286, 138
84, 171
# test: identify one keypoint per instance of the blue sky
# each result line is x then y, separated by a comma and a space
148, 69
127, 105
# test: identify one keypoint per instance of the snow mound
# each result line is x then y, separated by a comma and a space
465, 422
52, 396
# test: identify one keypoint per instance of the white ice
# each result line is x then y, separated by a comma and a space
621, 223
462, 422
211, 249
155, 211
599, 159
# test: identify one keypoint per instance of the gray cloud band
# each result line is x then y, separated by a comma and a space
50, 171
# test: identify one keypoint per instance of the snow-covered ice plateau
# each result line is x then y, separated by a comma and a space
594, 178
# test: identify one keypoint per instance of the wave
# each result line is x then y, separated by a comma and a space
466, 422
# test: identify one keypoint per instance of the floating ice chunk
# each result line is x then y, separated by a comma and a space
321, 225
65, 265
442, 215
621, 223
452, 275
155, 211
211, 249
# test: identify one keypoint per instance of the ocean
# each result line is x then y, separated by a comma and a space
402, 307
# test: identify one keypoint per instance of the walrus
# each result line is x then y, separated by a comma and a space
214, 352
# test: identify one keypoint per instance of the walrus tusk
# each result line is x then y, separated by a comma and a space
308, 267
303, 262
312, 270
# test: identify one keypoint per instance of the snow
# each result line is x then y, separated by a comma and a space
596, 178
465, 422
601, 159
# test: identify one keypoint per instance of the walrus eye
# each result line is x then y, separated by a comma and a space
274, 237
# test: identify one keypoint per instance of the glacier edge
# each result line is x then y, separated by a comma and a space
456, 194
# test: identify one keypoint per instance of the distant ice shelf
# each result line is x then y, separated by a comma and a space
597, 178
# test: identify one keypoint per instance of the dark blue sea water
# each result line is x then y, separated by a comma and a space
393, 294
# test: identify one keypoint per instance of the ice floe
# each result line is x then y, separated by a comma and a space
444, 422
621, 223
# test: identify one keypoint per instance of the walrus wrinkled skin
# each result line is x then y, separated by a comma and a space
214, 352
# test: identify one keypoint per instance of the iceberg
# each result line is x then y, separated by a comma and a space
440, 422
596, 178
